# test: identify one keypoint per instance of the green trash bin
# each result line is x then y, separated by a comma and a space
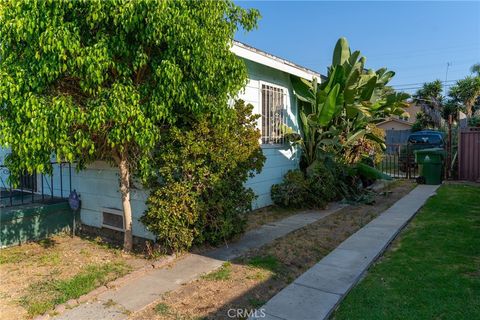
431, 164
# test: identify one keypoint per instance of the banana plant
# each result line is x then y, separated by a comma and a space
337, 111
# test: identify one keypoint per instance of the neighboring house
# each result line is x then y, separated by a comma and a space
401, 122
397, 128
269, 90
395, 124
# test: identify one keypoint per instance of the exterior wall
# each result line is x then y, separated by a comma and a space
279, 159
394, 125
98, 187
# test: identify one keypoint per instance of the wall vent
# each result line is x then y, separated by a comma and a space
113, 219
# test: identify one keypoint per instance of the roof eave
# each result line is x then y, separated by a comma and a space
244, 51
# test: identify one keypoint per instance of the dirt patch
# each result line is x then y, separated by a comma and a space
266, 215
58, 258
248, 282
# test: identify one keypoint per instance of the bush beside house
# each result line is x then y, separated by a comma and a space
200, 194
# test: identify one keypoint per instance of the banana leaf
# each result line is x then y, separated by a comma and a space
368, 89
329, 106
341, 53
352, 60
357, 135
377, 139
302, 89
371, 173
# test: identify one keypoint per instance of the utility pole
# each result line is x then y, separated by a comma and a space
446, 78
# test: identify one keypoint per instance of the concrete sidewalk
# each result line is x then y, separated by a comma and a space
145, 290
316, 293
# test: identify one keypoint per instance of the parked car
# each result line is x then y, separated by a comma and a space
417, 141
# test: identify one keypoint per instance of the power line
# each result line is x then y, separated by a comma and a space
418, 83
420, 87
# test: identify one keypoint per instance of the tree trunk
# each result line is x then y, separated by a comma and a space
127, 208
469, 108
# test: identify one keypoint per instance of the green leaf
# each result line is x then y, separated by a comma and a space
302, 89
351, 86
368, 89
329, 106
355, 136
341, 53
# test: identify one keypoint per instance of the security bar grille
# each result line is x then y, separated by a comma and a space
273, 115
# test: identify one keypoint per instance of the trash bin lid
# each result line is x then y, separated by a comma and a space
431, 155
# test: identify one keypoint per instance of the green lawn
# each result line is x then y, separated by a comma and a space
432, 271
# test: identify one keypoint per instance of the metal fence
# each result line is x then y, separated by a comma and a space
36, 188
398, 161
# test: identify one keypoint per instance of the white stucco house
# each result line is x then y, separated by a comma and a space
269, 90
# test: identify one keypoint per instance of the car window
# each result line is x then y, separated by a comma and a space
425, 139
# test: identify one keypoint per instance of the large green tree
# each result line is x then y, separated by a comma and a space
475, 69
466, 92
431, 100
99, 80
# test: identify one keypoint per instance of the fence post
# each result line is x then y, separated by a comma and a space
459, 153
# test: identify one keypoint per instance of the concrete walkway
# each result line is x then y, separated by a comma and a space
316, 293
145, 290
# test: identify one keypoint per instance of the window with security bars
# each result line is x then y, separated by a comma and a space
273, 115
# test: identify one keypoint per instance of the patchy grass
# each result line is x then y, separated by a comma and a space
51, 258
43, 296
269, 262
13, 255
267, 215
261, 273
110, 303
162, 309
38, 275
432, 271
222, 274
256, 303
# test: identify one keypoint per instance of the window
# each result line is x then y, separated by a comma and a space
273, 114
433, 139
113, 219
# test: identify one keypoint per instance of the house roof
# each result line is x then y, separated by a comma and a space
395, 120
253, 54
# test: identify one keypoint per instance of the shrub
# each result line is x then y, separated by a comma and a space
172, 215
199, 195
311, 190
347, 182
292, 192
321, 181
326, 180
474, 121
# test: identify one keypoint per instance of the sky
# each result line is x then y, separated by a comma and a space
414, 39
